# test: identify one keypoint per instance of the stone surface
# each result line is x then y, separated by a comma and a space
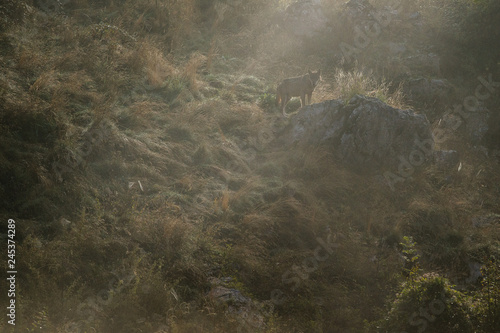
476, 125
366, 134
223, 295
485, 220
446, 159
474, 271
428, 91
249, 313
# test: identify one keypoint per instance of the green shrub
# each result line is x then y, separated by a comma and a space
267, 101
487, 306
428, 304
410, 256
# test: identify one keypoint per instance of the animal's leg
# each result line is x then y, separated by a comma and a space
302, 100
284, 102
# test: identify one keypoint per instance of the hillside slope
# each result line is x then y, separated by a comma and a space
139, 158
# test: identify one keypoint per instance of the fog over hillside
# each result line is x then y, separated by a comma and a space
250, 166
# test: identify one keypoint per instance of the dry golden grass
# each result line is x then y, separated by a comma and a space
29, 60
182, 16
212, 53
156, 67
45, 82
191, 69
348, 84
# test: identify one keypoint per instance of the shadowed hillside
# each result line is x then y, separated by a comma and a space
149, 183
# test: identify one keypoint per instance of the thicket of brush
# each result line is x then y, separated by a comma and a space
137, 158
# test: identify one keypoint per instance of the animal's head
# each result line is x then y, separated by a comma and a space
315, 76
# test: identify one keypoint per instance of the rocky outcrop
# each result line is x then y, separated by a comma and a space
474, 125
366, 134
249, 313
486, 220
425, 91
446, 159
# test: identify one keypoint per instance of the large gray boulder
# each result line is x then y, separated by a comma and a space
365, 134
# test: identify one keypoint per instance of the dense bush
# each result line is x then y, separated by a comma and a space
487, 305
430, 304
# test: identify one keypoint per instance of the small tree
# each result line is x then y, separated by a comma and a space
410, 256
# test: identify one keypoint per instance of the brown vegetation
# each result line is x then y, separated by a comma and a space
137, 156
